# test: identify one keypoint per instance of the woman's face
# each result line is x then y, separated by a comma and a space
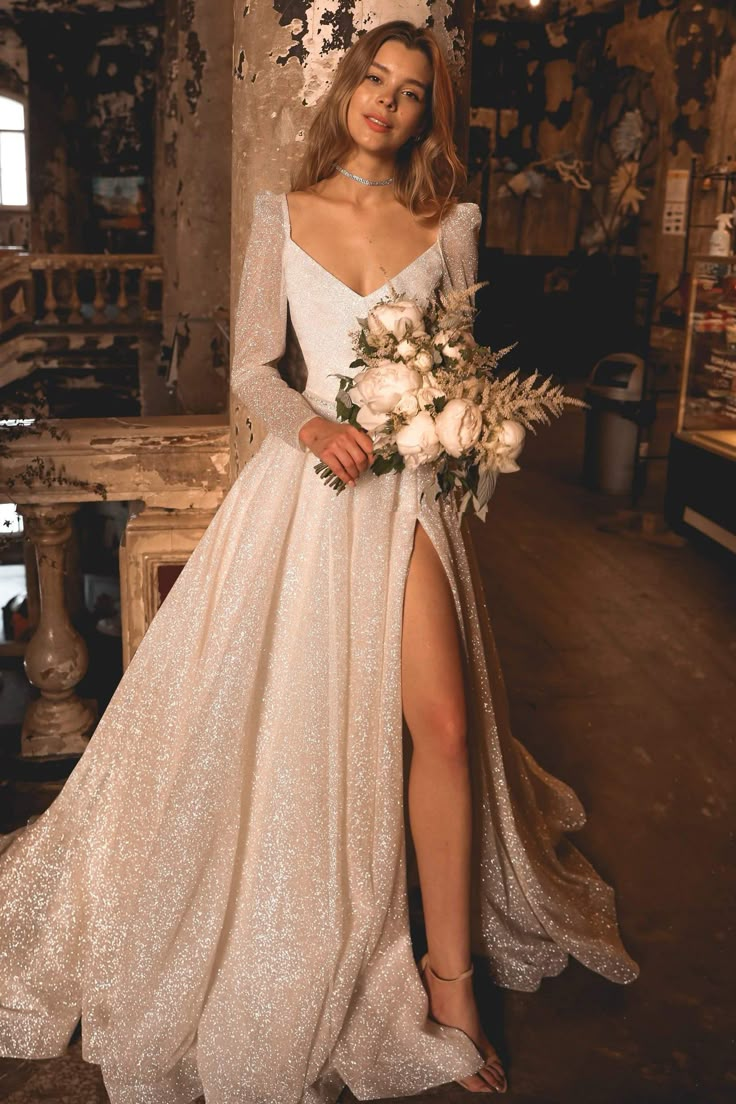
389, 106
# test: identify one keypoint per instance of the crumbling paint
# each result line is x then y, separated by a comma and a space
321, 31
700, 37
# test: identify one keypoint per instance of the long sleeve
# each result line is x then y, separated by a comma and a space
259, 334
460, 244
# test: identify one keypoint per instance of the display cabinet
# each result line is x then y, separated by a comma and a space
701, 475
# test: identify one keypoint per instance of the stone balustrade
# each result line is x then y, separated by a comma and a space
174, 471
79, 289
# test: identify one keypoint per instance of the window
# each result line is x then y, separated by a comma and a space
13, 174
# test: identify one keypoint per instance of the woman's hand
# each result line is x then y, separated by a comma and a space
347, 450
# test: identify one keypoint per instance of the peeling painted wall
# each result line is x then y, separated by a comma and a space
193, 181
550, 83
91, 86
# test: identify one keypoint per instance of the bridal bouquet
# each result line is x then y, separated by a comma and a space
426, 393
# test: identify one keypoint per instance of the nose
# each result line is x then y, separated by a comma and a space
387, 99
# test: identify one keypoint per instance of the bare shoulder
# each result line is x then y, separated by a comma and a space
304, 204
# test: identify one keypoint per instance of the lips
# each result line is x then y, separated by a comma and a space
375, 122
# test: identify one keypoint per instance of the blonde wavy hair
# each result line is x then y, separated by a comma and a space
428, 172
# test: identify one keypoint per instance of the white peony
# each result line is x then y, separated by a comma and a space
459, 426
418, 442
400, 318
369, 420
508, 440
382, 385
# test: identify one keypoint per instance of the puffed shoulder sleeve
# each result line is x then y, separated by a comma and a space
259, 333
460, 245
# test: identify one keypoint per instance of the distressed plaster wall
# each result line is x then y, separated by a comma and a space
284, 57
91, 87
193, 189
547, 82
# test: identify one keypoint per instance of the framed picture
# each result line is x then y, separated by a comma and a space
120, 202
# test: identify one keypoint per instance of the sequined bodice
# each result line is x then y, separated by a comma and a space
279, 279
324, 310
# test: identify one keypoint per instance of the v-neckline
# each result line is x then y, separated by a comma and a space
436, 244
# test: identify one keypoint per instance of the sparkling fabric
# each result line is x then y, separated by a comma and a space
219, 890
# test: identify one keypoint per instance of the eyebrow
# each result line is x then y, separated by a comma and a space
409, 80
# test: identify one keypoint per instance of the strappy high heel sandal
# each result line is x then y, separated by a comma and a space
492, 1060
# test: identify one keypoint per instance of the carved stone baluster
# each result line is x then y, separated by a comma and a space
75, 303
58, 722
49, 302
99, 299
122, 294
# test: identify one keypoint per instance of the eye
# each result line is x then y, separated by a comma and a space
372, 76
413, 94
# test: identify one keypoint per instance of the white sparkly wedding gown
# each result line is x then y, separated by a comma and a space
219, 890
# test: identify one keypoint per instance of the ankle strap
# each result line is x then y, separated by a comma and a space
465, 974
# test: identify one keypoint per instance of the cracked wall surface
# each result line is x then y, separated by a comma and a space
193, 157
90, 82
544, 86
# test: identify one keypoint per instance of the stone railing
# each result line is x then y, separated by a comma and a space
174, 471
79, 289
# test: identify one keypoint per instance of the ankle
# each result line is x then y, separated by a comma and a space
449, 970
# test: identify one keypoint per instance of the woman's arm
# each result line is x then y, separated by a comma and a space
460, 245
259, 334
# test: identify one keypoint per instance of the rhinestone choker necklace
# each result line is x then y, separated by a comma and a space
363, 180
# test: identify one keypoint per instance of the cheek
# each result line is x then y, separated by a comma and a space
357, 100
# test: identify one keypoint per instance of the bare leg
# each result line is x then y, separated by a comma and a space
439, 787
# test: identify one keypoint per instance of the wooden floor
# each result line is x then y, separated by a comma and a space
620, 657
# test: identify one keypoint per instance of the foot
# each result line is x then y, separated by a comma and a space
452, 1002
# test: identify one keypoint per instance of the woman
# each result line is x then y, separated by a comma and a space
219, 891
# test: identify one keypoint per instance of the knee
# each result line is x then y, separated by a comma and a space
442, 733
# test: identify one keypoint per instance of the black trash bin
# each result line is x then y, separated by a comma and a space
614, 393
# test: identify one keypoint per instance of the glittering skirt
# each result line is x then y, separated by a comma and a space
219, 890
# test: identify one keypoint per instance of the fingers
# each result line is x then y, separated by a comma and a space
349, 454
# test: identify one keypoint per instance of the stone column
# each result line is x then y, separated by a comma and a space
192, 178
282, 64
58, 723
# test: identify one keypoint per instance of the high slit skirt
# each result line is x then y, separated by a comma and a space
219, 892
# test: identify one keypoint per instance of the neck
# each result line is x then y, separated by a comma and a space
368, 165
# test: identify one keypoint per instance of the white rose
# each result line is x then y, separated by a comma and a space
423, 361
407, 404
453, 348
382, 385
427, 395
399, 318
418, 442
406, 349
459, 425
509, 441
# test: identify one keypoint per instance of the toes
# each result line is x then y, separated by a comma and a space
493, 1072
496, 1083
476, 1083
